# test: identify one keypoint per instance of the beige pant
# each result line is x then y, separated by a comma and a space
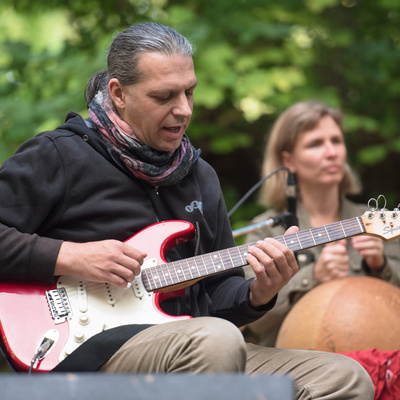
214, 345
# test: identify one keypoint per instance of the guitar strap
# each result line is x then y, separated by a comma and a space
97, 350
161, 210
163, 214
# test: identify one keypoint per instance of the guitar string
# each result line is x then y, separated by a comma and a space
308, 238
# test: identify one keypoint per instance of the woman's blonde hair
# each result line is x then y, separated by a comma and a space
297, 119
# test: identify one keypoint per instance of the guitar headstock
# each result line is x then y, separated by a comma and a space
382, 223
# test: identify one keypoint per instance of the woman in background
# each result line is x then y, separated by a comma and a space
308, 139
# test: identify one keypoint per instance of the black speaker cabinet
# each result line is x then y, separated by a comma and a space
99, 386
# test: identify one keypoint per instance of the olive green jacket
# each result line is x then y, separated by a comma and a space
268, 326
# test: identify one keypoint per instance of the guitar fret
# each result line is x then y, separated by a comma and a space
242, 251
180, 272
297, 236
168, 274
160, 276
235, 258
210, 267
320, 235
153, 277
344, 232
224, 259
187, 267
352, 227
361, 226
200, 266
176, 271
336, 231
230, 258
221, 259
145, 279
184, 271
192, 267
312, 236
150, 279
306, 239
212, 258
327, 233
291, 241
217, 260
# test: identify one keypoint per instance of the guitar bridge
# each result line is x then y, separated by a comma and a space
59, 305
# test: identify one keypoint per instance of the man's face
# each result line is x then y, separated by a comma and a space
159, 107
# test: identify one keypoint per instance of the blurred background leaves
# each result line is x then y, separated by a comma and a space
254, 58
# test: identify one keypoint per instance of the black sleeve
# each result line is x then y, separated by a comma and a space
229, 291
32, 183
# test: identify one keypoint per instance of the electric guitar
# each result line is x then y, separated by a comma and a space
41, 324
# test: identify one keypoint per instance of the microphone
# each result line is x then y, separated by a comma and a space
291, 195
273, 221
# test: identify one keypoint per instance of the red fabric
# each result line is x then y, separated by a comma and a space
384, 369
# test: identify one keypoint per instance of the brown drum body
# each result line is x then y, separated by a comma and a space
349, 314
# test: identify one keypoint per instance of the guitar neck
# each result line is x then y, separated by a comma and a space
195, 268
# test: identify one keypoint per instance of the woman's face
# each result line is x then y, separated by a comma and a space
319, 155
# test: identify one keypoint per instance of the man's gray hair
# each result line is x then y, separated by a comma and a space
126, 49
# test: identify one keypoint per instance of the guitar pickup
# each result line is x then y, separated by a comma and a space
59, 304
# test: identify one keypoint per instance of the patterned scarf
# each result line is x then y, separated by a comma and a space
158, 168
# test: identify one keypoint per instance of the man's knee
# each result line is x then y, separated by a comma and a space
346, 378
356, 374
220, 345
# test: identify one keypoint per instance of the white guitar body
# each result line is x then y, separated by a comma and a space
94, 307
97, 307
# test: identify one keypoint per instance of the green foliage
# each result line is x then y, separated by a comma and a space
253, 59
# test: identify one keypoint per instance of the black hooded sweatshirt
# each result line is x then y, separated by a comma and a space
65, 185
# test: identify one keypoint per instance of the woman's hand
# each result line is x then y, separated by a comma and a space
333, 263
371, 250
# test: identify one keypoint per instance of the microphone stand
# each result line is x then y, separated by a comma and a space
291, 195
287, 219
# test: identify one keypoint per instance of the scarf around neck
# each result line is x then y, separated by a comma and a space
158, 168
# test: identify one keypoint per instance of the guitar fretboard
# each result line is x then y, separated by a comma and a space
164, 275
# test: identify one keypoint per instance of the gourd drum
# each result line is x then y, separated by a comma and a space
349, 314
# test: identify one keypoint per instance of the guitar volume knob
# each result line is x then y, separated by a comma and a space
83, 319
79, 337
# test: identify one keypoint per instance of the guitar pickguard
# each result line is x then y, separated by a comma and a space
106, 306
